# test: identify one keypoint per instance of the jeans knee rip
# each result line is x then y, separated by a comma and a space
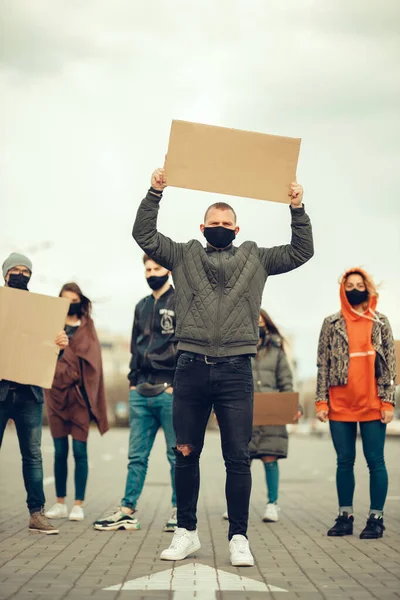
185, 451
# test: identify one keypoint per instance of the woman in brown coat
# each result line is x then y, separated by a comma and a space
76, 398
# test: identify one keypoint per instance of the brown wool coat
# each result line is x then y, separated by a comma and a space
80, 366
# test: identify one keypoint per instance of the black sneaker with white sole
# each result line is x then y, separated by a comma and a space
343, 525
116, 521
374, 528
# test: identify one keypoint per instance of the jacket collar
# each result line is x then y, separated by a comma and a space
210, 249
339, 324
165, 295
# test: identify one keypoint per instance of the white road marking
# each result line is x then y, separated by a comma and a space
48, 480
47, 449
200, 581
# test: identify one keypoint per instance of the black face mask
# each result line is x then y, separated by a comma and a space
75, 309
157, 282
18, 281
355, 297
219, 237
262, 333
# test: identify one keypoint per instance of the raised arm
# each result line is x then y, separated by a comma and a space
160, 248
281, 259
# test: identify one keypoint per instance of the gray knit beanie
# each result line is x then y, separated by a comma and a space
16, 260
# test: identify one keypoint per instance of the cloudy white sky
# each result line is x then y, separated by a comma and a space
87, 94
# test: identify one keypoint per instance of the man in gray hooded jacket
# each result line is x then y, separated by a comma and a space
218, 291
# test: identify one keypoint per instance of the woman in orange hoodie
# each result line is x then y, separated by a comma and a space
356, 372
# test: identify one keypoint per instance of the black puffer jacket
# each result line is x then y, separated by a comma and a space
218, 293
271, 372
153, 344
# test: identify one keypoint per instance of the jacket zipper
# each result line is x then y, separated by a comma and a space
258, 374
146, 353
220, 297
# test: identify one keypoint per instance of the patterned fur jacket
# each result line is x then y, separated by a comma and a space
333, 357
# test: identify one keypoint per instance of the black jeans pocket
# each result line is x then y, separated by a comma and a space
184, 362
240, 364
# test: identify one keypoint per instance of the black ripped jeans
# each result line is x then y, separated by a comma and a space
228, 386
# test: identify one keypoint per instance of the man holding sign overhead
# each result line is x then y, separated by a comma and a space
218, 296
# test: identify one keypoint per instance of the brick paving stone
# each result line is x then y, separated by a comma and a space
294, 554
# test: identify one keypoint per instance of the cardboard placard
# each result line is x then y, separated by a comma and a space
275, 408
29, 325
231, 161
397, 349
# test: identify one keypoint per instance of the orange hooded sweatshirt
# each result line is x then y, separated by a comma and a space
358, 400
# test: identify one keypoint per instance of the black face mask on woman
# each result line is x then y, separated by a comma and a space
262, 333
75, 309
156, 282
356, 297
219, 237
18, 281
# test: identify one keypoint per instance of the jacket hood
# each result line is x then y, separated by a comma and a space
273, 339
347, 310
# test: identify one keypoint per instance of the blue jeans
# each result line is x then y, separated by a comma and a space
26, 412
79, 450
146, 416
344, 437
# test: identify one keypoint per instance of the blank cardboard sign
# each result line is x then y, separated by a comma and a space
397, 349
29, 324
231, 161
275, 408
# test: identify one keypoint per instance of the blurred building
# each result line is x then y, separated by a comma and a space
116, 356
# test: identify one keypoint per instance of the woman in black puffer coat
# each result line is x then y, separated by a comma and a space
271, 373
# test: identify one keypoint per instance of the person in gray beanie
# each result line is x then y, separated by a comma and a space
17, 271
24, 405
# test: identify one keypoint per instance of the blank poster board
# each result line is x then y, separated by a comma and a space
231, 161
29, 325
275, 408
397, 346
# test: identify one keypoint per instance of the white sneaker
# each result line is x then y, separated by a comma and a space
183, 544
240, 552
271, 514
225, 516
172, 522
76, 513
58, 511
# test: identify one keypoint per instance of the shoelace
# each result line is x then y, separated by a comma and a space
114, 516
240, 545
372, 522
342, 519
179, 535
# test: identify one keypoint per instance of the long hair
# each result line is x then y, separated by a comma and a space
86, 303
366, 277
272, 328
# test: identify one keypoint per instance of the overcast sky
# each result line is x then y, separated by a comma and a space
87, 94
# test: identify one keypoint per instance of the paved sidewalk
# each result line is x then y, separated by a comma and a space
294, 558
